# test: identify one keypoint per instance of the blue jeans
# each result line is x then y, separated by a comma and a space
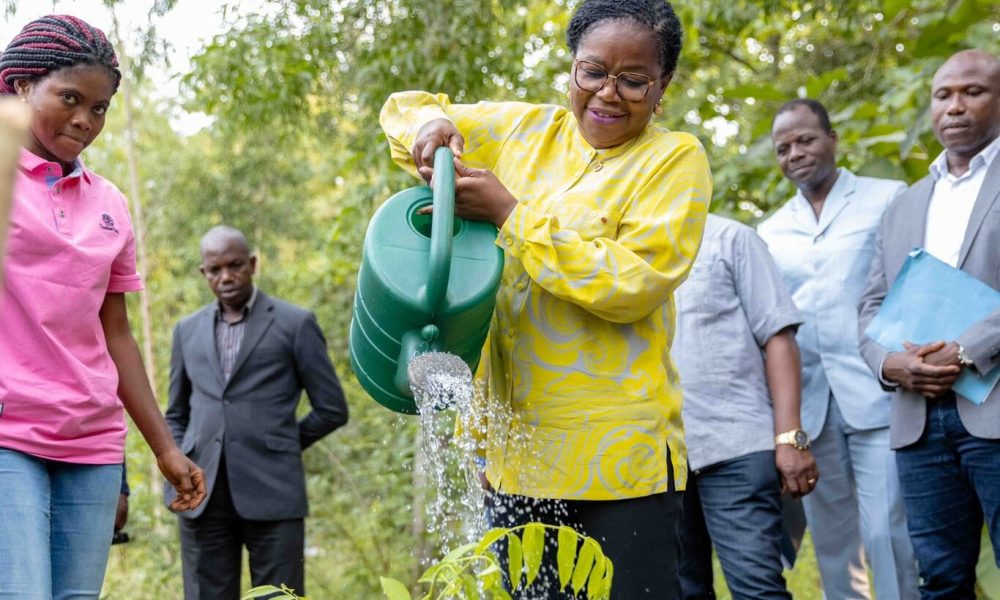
735, 505
56, 522
950, 481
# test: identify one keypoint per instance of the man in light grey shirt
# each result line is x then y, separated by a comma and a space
823, 241
739, 366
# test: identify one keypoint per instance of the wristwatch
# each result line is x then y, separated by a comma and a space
964, 359
795, 438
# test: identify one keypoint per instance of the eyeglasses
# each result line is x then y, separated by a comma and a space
592, 77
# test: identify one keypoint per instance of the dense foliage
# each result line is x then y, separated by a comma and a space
295, 158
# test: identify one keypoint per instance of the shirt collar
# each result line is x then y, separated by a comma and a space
247, 308
985, 158
32, 163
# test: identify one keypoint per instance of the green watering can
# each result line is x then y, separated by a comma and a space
427, 283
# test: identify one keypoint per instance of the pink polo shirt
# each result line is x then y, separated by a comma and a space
70, 243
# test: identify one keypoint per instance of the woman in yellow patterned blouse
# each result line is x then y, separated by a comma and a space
600, 215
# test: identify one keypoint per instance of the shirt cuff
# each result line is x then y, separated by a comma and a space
886, 384
426, 114
519, 219
118, 285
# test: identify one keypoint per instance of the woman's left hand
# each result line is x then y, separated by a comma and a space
480, 196
186, 477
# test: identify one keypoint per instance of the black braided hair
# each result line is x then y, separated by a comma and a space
658, 15
815, 106
52, 43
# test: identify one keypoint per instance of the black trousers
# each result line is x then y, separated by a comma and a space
639, 535
211, 548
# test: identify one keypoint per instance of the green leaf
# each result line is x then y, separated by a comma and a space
533, 545
891, 8
489, 538
431, 571
595, 584
919, 126
820, 83
895, 137
566, 554
759, 92
263, 590
394, 590
514, 564
471, 586
461, 551
501, 594
934, 39
491, 578
584, 562
609, 573
964, 13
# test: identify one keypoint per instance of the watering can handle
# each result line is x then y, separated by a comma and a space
442, 224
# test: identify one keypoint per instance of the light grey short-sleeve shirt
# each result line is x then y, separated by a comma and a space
732, 303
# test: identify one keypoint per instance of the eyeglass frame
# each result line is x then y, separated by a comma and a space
607, 75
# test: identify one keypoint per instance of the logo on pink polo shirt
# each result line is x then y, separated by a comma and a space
108, 223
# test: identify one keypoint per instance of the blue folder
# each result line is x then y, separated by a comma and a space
932, 301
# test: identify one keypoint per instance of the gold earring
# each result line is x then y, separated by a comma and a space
658, 110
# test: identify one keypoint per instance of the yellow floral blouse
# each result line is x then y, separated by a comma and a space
578, 351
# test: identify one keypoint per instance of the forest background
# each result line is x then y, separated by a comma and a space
295, 158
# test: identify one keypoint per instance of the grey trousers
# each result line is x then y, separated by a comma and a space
856, 512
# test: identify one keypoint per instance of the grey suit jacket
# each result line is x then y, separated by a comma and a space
252, 416
902, 229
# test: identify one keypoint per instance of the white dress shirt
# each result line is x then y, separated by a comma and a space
952, 201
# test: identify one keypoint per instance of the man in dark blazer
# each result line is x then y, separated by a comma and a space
237, 371
947, 448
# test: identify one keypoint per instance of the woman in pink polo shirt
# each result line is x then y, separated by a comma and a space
66, 352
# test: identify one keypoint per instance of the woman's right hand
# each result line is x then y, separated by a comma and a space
433, 135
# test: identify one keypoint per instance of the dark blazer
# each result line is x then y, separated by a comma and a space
902, 228
252, 416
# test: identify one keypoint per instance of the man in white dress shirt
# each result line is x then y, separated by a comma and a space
947, 447
823, 241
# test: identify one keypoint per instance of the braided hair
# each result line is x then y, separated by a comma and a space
52, 43
658, 15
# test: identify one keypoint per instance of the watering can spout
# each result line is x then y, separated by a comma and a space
415, 342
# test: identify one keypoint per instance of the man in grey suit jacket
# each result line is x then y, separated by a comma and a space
237, 372
947, 448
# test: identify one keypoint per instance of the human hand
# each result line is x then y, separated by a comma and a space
433, 135
121, 513
914, 370
797, 469
947, 355
484, 482
479, 196
186, 477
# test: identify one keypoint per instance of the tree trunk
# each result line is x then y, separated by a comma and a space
148, 356
135, 202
